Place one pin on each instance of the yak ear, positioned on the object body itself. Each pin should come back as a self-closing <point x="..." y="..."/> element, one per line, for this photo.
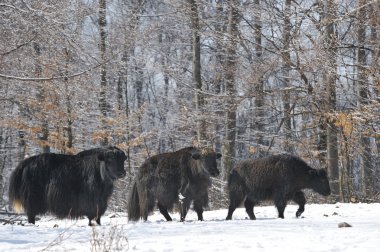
<point x="218" y="155"/>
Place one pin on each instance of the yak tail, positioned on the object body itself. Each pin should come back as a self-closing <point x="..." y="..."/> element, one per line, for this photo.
<point x="236" y="184"/>
<point x="233" y="179"/>
<point x="14" y="190"/>
<point x="133" y="207"/>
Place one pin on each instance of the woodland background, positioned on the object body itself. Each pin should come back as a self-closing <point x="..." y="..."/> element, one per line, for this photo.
<point x="248" y="78"/>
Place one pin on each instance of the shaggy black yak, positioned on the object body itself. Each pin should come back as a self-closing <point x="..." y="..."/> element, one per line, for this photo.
<point x="68" y="186"/>
<point x="177" y="177"/>
<point x="279" y="178"/>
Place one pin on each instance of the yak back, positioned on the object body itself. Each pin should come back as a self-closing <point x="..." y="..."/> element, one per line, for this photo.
<point x="273" y="171"/>
<point x="175" y="165"/>
<point x="116" y="152"/>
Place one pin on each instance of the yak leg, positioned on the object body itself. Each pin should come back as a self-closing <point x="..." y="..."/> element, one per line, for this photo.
<point x="236" y="197"/>
<point x="145" y="215"/>
<point x="299" y="198"/>
<point x="281" y="209"/>
<point x="144" y="210"/>
<point x="237" y="192"/>
<point x="90" y="218"/>
<point x="184" y="207"/>
<point x="98" y="220"/>
<point x="199" y="209"/>
<point x="249" y="208"/>
<point x="144" y="206"/>
<point x="280" y="203"/>
<point x="147" y="203"/>
<point x="184" y="202"/>
<point x="231" y="210"/>
<point x="164" y="212"/>
<point x="31" y="218"/>
<point x="33" y="209"/>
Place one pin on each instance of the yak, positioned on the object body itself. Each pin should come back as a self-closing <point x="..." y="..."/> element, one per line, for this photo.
<point x="279" y="178"/>
<point x="68" y="186"/>
<point x="183" y="176"/>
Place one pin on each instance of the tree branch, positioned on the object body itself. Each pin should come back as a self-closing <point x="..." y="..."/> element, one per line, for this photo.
<point x="19" y="78"/>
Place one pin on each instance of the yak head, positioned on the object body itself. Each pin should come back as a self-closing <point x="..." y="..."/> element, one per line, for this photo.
<point x="112" y="163"/>
<point x="206" y="160"/>
<point x="320" y="182"/>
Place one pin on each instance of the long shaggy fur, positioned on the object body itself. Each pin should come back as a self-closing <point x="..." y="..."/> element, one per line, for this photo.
<point x="279" y="178"/>
<point x="67" y="186"/>
<point x="168" y="178"/>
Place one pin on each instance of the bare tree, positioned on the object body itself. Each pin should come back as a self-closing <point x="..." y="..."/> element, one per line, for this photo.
<point x="197" y="78"/>
<point x="259" y="87"/>
<point x="286" y="34"/>
<point x="102" y="22"/>
<point x="230" y="69"/>
<point x="366" y="165"/>
<point x="330" y="44"/>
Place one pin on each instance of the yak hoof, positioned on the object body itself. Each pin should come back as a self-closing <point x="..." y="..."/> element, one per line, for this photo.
<point x="252" y="216"/>
<point x="298" y="213"/>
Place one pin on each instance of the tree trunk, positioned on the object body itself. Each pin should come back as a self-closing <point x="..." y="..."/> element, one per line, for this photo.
<point x="286" y="71"/>
<point x="366" y="164"/>
<point x="41" y="96"/>
<point x="330" y="45"/>
<point x="123" y="80"/>
<point x="220" y="28"/>
<point x="165" y="142"/>
<point x="219" y="82"/>
<point x="230" y="126"/>
<point x="374" y="9"/>
<point x="259" y="87"/>
<point x="139" y="84"/>
<point x="68" y="129"/>
<point x="103" y="70"/>
<point x="3" y="159"/>
<point x="129" y="44"/>
<point x="197" y="80"/>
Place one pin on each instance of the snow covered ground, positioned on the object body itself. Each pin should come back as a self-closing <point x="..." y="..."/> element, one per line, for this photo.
<point x="316" y="231"/>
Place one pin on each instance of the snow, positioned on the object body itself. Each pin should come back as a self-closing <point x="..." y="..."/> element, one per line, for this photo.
<point x="316" y="230"/>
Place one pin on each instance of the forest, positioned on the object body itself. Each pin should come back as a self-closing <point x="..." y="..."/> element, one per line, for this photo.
<point x="249" y="78"/>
